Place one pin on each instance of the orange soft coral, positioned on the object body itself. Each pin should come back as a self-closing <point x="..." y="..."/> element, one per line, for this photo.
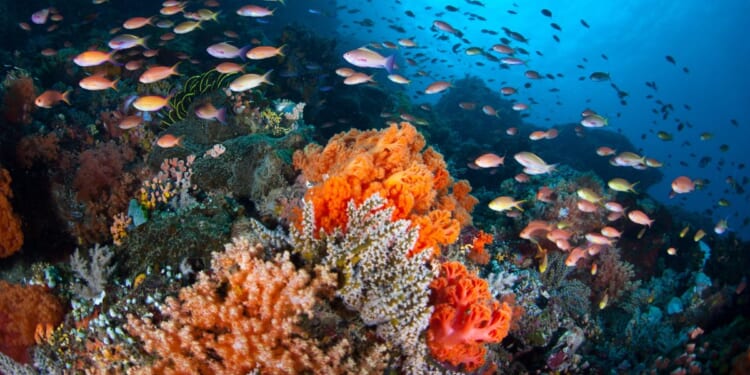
<point x="465" y="318"/>
<point x="22" y="310"/>
<point x="11" y="236"/>
<point x="242" y="317"/>
<point x="392" y="163"/>
<point x="477" y="252"/>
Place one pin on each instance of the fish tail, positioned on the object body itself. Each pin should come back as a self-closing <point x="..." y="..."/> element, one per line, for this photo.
<point x="114" y="84"/>
<point x="221" y="115"/>
<point x="265" y="77"/>
<point x="389" y="61"/>
<point x="633" y="186"/>
<point x="174" y="69"/>
<point x="244" y="50"/>
<point x="215" y="17"/>
<point x="280" y="50"/>
<point x="66" y="97"/>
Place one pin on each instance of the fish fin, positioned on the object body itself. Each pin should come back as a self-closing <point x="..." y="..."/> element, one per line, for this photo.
<point x="221" y="115"/>
<point x="174" y="69"/>
<point x="265" y="77"/>
<point x="114" y="84"/>
<point x="281" y="50"/>
<point x="66" y="97"/>
<point x="244" y="50"/>
<point x="389" y="61"/>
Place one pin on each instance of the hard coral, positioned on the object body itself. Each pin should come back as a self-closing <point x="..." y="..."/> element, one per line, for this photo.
<point x="465" y="318"/>
<point x="11" y="236"/>
<point x="22" y="310"/>
<point x="391" y="162"/>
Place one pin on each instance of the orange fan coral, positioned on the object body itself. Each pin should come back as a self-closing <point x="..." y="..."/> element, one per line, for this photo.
<point x="391" y="162"/>
<point x="465" y="317"/>
<point x="11" y="236"/>
<point x="22" y="310"/>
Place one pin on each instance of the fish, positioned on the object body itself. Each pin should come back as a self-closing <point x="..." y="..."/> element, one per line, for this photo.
<point x="150" y="103"/>
<point x="505" y="203"/>
<point x="699" y="235"/>
<point x="589" y="195"/>
<point x="599" y="76"/>
<point x="93" y="58"/>
<point x="186" y="27"/>
<point x="137" y="22"/>
<point x="622" y="185"/>
<point x="264" y="52"/>
<point x="255" y="11"/>
<point x="97" y="83"/>
<point x="229" y="68"/>
<point x="225" y="50"/>
<point x="358" y="78"/>
<point x="683" y="185"/>
<point x="169" y="141"/>
<point x="640" y="217"/>
<point x="364" y="57"/>
<point x="40" y="17"/>
<point x="594" y="121"/>
<point x="126" y="41"/>
<point x="546" y="13"/>
<point x="158" y="73"/>
<point x="130" y="122"/>
<point x="249" y="81"/>
<point x="437" y="87"/>
<point x="49" y="98"/>
<point x="397" y="78"/>
<point x="489" y="160"/>
<point x="533" y="164"/>
<point x="209" y="112"/>
<point x="684" y="231"/>
<point x="721" y="227"/>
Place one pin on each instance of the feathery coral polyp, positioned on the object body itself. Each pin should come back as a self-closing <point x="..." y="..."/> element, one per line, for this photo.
<point x="465" y="318"/>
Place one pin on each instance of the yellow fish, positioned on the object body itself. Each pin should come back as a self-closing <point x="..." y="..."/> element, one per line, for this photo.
<point x="699" y="235"/>
<point x="684" y="231"/>
<point x="605" y="300"/>
<point x="622" y="185"/>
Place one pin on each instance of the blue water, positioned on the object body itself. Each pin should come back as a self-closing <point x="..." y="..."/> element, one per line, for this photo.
<point x="636" y="37"/>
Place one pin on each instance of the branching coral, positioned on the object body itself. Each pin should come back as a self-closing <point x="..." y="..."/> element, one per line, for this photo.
<point x="243" y="317"/>
<point x="11" y="236"/>
<point x="388" y="289"/>
<point x="465" y="317"/>
<point x="391" y="162"/>
<point x="22" y="310"/>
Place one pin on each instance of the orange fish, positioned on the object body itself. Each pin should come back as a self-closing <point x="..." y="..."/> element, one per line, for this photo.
<point x="93" y="58"/>
<point x="130" y="122"/>
<point x="229" y="68"/>
<point x="169" y="141"/>
<point x="97" y="83"/>
<point x="640" y="217"/>
<point x="489" y="160"/>
<point x="436" y="87"/>
<point x="264" y="52"/>
<point x="150" y="103"/>
<point x="137" y="22"/>
<point x="682" y="185"/>
<point x="158" y="73"/>
<point x="51" y="97"/>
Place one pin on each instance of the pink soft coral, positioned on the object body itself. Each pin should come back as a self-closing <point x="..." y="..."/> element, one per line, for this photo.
<point x="465" y="318"/>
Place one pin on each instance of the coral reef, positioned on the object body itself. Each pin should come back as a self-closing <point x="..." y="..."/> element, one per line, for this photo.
<point x="244" y="316"/>
<point x="465" y="317"/>
<point x="18" y="102"/>
<point x="391" y="162"/>
<point x="23" y="309"/>
<point x="11" y="236"/>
